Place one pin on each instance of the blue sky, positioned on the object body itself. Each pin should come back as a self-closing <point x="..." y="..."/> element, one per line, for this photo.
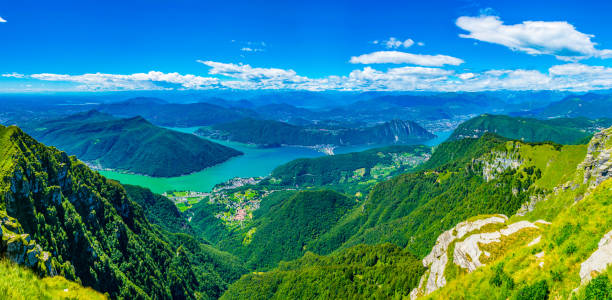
<point x="313" y="45"/>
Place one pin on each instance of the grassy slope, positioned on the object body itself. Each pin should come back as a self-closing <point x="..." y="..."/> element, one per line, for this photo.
<point x="133" y="144"/>
<point x="570" y="240"/>
<point x="20" y="283"/>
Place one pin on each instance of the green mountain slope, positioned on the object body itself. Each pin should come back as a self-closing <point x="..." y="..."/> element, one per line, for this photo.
<point x="479" y="256"/>
<point x="379" y="272"/>
<point x="462" y="179"/>
<point x="86" y="229"/>
<point x="570" y="257"/>
<point x="550" y="263"/>
<point x="133" y="145"/>
<point x="373" y="164"/>
<point x="288" y="227"/>
<point x="159" y="210"/>
<point x="275" y="133"/>
<point x="561" y="130"/>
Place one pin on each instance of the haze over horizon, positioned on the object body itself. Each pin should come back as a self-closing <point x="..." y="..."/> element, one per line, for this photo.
<point x="271" y="45"/>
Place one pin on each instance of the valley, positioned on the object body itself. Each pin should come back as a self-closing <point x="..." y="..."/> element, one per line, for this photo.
<point x="254" y="162"/>
<point x="320" y="150"/>
<point x="281" y="221"/>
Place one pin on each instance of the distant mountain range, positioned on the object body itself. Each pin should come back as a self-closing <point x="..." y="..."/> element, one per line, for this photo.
<point x="560" y="130"/>
<point x="162" y="113"/>
<point x="589" y="105"/>
<point x="131" y="144"/>
<point x="275" y="133"/>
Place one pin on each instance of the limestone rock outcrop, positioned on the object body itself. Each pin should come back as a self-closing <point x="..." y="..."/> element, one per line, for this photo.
<point x="467" y="237"/>
<point x="21" y="249"/>
<point x="599" y="261"/>
<point x="597" y="165"/>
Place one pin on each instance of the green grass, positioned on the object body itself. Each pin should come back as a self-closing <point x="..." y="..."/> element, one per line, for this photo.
<point x="570" y="240"/>
<point x="557" y="166"/>
<point x="19" y="283"/>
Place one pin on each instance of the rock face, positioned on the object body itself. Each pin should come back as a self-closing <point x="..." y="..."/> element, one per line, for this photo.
<point x="21" y="249"/>
<point x="497" y="162"/>
<point x="399" y="131"/>
<point x="598" y="261"/>
<point x="467" y="251"/>
<point x="437" y="259"/>
<point x="597" y="165"/>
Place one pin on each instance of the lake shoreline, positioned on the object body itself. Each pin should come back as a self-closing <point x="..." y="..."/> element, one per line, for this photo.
<point x="255" y="162"/>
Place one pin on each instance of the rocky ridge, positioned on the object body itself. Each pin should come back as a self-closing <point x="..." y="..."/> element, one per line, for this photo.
<point x="465" y="242"/>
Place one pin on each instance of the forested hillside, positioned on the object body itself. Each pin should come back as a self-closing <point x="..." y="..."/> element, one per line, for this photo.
<point x="132" y="145"/>
<point x="66" y="219"/>
<point x="469" y="179"/>
<point x="559" y="130"/>
<point x="352" y="169"/>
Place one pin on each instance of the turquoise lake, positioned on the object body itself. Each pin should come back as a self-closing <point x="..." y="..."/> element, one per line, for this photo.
<point x="254" y="162"/>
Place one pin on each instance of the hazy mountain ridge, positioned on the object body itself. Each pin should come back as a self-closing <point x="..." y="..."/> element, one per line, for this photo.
<point x="590" y="105"/>
<point x="275" y="133"/>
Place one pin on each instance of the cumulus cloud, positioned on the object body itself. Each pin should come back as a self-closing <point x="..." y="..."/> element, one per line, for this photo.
<point x="571" y="76"/>
<point x="393" y="43"/>
<point x="2" y="20"/>
<point x="397" y="57"/>
<point x="152" y="80"/>
<point x="533" y="37"/>
<point x="249" y="49"/>
<point x="250" y="46"/>
<point x="246" y="72"/>
<point x="13" y="75"/>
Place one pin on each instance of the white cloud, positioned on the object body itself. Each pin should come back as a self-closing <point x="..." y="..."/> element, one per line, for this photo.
<point x="579" y="69"/>
<point x="250" y="46"/>
<point x="533" y="37"/>
<point x="397" y="57"/>
<point x="421" y="44"/>
<point x="13" y="75"/>
<point x="249" y="49"/>
<point x="572" y="76"/>
<point x="2" y="20"/>
<point x="246" y="72"/>
<point x="393" y="43"/>
<point x="139" y="81"/>
<point x="466" y="76"/>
